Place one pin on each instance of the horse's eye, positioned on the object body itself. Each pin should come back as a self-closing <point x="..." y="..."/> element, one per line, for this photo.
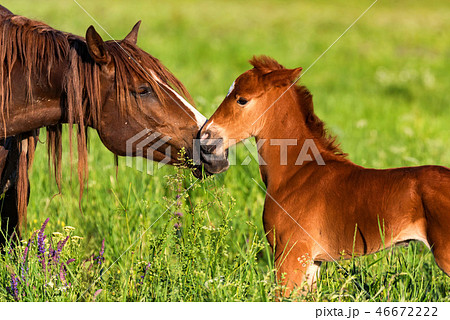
<point x="144" y="90"/>
<point x="242" y="101"/>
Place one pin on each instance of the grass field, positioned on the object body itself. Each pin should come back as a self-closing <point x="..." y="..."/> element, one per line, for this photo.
<point x="383" y="88"/>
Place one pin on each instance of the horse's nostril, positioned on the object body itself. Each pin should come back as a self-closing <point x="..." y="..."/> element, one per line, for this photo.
<point x="206" y="135"/>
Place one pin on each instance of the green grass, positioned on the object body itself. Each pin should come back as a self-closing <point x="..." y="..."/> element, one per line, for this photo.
<point x="382" y="88"/>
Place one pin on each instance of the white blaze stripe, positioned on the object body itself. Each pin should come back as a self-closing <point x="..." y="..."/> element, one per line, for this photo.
<point x="199" y="118"/>
<point x="231" y="89"/>
<point x="209" y="124"/>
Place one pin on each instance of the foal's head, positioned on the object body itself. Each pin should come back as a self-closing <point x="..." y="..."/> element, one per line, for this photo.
<point x="247" y="108"/>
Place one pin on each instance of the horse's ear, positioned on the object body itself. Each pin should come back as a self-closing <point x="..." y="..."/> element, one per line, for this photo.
<point x="96" y="46"/>
<point x="4" y="11"/>
<point x="281" y="77"/>
<point x="132" y="36"/>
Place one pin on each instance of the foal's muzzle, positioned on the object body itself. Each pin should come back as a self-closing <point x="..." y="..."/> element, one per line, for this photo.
<point x="213" y="157"/>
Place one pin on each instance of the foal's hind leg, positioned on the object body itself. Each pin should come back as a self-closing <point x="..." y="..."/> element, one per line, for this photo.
<point x="435" y="190"/>
<point x="439" y="240"/>
<point x="442" y="257"/>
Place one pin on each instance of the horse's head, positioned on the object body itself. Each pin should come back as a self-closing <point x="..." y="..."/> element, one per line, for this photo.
<point x="142" y="114"/>
<point x="243" y="112"/>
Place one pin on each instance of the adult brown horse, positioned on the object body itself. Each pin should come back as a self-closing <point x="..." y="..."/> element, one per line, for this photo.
<point x="315" y="210"/>
<point x="49" y="77"/>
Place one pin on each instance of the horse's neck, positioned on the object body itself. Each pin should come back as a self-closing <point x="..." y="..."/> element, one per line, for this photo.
<point x="45" y="108"/>
<point x="287" y="146"/>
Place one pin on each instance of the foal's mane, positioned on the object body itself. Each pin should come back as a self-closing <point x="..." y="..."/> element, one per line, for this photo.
<point x="313" y="123"/>
<point x="40" y="49"/>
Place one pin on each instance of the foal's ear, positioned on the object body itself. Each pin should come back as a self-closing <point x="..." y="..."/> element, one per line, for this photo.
<point x="132" y="36"/>
<point x="96" y="46"/>
<point x="281" y="77"/>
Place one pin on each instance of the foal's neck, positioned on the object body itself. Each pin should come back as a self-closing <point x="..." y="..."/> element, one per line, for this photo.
<point x="287" y="144"/>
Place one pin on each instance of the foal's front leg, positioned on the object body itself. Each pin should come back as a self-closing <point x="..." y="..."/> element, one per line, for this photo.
<point x="297" y="270"/>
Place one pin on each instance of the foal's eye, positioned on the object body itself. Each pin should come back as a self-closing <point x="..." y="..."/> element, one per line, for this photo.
<point x="242" y="101"/>
<point x="144" y="90"/>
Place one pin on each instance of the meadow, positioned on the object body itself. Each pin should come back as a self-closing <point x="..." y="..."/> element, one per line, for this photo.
<point x="383" y="89"/>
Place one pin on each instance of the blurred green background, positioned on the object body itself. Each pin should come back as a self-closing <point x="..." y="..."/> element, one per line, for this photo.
<point x="383" y="88"/>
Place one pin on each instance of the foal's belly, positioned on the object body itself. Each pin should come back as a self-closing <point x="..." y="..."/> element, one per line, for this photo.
<point x="370" y="229"/>
<point x="339" y="245"/>
<point x="353" y="220"/>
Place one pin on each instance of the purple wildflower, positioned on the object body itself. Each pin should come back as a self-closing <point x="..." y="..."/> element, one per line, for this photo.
<point x="102" y="251"/>
<point x="25" y="256"/>
<point x="41" y="237"/>
<point x="22" y="265"/>
<point x="148" y="266"/>
<point x="59" y="248"/>
<point x="96" y="293"/>
<point x="178" y="198"/>
<point x="41" y="244"/>
<point x="62" y="274"/>
<point x="29" y="244"/>
<point x="177" y="225"/>
<point x="51" y="253"/>
<point x="178" y="214"/>
<point x="14" y="286"/>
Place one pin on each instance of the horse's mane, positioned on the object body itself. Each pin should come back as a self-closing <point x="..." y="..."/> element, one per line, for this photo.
<point x="36" y="45"/>
<point x="314" y="124"/>
<point x="39" y="48"/>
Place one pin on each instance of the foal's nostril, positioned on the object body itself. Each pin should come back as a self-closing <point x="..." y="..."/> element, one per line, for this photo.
<point x="208" y="145"/>
<point x="208" y="148"/>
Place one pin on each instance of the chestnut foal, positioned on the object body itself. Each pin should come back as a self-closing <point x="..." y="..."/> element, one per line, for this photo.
<point x="320" y="205"/>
